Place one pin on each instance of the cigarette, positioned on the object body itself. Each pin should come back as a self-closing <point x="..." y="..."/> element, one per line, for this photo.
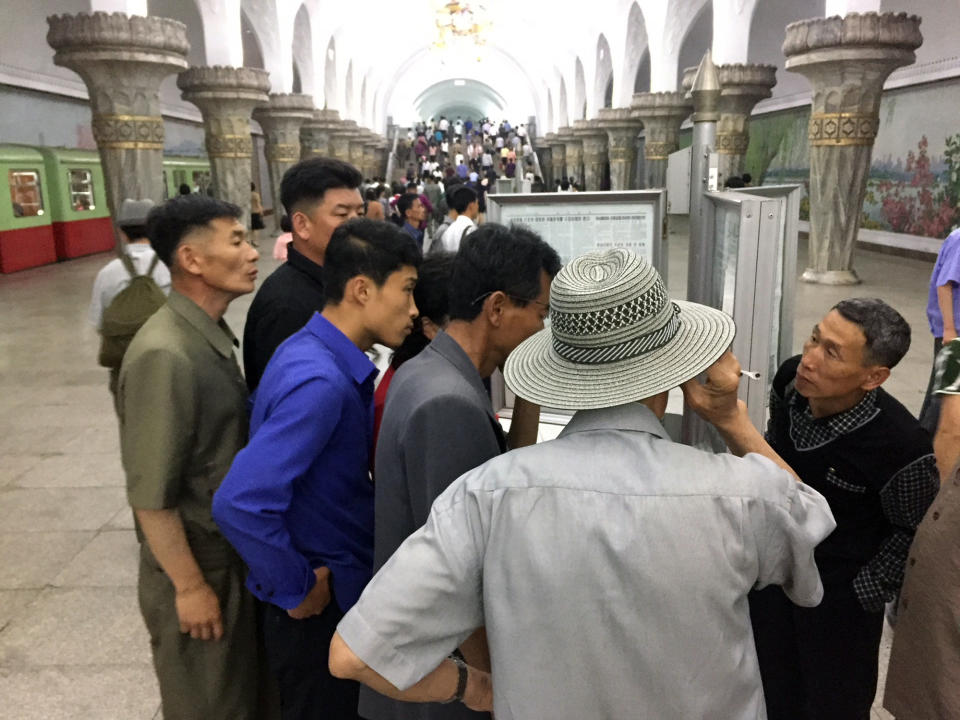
<point x="752" y="374"/>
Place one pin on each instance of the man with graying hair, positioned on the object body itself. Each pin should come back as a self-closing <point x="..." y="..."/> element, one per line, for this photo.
<point x="848" y="438"/>
<point x="610" y="566"/>
<point x="183" y="416"/>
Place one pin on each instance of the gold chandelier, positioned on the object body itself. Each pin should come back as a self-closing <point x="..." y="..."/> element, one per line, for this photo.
<point x="459" y="23"/>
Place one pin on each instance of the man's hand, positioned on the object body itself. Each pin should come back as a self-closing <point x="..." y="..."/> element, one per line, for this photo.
<point x="199" y="612"/>
<point x="716" y="400"/>
<point x="317" y="599"/>
<point x="479" y="691"/>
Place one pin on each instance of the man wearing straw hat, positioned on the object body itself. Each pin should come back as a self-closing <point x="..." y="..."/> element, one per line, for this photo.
<point x="611" y="566"/>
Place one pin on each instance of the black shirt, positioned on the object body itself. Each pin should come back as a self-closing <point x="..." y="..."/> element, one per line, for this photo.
<point x="285" y="302"/>
<point x="875" y="466"/>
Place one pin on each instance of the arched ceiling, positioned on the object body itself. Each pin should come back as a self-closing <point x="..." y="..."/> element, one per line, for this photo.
<point x="462" y="97"/>
<point x="372" y="60"/>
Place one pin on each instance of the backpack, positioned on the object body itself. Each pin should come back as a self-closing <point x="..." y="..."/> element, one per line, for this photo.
<point x="130" y="309"/>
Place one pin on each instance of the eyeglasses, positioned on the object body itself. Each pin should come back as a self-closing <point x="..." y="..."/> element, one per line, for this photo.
<point x="515" y="298"/>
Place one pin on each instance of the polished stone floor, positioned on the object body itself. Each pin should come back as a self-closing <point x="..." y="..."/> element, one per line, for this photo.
<point x="72" y="644"/>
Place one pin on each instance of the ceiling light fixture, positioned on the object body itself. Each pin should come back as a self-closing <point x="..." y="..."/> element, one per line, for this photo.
<point x="461" y="27"/>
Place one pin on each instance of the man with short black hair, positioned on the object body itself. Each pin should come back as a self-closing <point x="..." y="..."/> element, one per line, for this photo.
<point x="298" y="502"/>
<point x="413" y="212"/>
<point x="846" y="437"/>
<point x="464" y="200"/>
<point x="438" y="421"/>
<point x="319" y="194"/>
<point x="183" y="416"/>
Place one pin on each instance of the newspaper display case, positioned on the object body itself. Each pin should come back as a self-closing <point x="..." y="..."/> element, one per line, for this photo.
<point x="754" y="277"/>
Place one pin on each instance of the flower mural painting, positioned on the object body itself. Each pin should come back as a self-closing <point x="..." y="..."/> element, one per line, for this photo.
<point x="925" y="202"/>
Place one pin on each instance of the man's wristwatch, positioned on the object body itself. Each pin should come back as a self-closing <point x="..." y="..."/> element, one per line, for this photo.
<point x="461" y="678"/>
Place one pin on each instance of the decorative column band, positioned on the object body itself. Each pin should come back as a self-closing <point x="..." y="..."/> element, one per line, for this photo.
<point x="229" y="146"/>
<point x="843" y="128"/>
<point x="283" y="152"/>
<point x="732" y="143"/>
<point x="658" y="150"/>
<point x="128" y="132"/>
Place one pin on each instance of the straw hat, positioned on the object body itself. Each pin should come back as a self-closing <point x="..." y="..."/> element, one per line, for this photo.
<point x="614" y="337"/>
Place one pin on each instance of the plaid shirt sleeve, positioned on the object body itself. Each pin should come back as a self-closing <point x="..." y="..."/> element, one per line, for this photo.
<point x="775" y="407"/>
<point x="905" y="500"/>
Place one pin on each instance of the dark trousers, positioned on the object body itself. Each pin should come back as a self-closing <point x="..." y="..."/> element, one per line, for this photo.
<point x="297" y="652"/>
<point x="930" y="412"/>
<point x="816" y="663"/>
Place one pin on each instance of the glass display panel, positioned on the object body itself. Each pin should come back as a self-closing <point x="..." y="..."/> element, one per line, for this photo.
<point x="577" y="229"/>
<point x="25" y="195"/>
<point x="80" y="183"/>
<point x="727" y="238"/>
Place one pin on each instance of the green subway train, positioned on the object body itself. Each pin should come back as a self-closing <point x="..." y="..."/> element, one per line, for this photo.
<point x="54" y="206"/>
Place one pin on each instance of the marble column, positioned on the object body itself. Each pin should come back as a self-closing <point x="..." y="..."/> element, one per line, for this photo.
<point x="370" y="155"/>
<point x="558" y="157"/>
<point x="622" y="128"/>
<point x="594" y="139"/>
<point x="662" y="114"/>
<point x="545" y="156"/>
<point x="122" y="60"/>
<point x="846" y="59"/>
<point x="280" y="122"/>
<point x="743" y="86"/>
<point x="357" y="149"/>
<point x="226" y="97"/>
<point x="315" y="133"/>
<point x="340" y="136"/>
<point x="383" y="153"/>
<point x="573" y="154"/>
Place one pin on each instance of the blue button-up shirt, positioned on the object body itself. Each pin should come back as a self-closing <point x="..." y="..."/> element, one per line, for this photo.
<point x="299" y="495"/>
<point x="413" y="232"/>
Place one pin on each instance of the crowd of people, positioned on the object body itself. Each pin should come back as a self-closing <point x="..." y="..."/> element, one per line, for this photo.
<point x="320" y="539"/>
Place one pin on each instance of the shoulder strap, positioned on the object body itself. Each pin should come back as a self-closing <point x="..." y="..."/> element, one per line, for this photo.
<point x="153" y="264"/>
<point x="128" y="263"/>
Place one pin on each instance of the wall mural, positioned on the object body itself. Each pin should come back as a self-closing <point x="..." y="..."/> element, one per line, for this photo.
<point x="914" y="182"/>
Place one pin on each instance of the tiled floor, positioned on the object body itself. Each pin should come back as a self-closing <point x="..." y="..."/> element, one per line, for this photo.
<point x="72" y="644"/>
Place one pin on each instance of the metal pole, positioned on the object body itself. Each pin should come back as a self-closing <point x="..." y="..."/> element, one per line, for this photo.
<point x="706" y="97"/>
<point x="706" y="100"/>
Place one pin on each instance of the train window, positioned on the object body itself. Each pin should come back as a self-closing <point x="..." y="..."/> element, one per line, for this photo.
<point x="25" y="195"/>
<point x="81" y="190"/>
<point x="201" y="181"/>
<point x="166" y="189"/>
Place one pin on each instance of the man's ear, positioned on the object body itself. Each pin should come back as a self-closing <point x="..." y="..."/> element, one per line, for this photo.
<point x="876" y="376"/>
<point x="301" y="224"/>
<point x="187" y="258"/>
<point x="494" y="307"/>
<point x="359" y="289"/>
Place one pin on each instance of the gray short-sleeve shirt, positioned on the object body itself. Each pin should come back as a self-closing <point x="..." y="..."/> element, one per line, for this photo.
<point x="611" y="568"/>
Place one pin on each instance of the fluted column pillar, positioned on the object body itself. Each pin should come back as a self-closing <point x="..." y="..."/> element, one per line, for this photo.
<point x="662" y="114"/>
<point x="340" y="136"/>
<point x="558" y="156"/>
<point x="622" y="128"/>
<point x="574" y="154"/>
<point x="226" y="97"/>
<point x="315" y="133"/>
<point x="280" y="122"/>
<point x="383" y="151"/>
<point x="370" y="154"/>
<point x="743" y="86"/>
<point x="122" y="60"/>
<point x="846" y="59"/>
<point x="594" y="139"/>
<point x="545" y="156"/>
